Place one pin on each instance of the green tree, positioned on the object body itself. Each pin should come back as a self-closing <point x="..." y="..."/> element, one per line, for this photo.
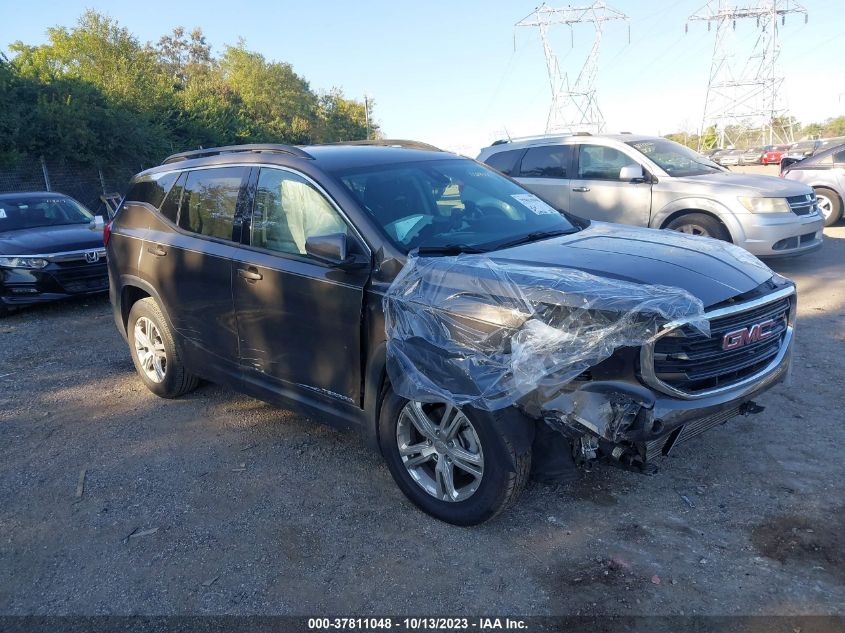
<point x="275" y="104"/>
<point x="94" y="94"/>
<point x="343" y="119"/>
<point x="185" y="57"/>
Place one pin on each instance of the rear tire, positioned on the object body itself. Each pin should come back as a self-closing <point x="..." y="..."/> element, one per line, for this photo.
<point x="699" y="224"/>
<point x="829" y="204"/>
<point x="488" y="437"/>
<point x="154" y="351"/>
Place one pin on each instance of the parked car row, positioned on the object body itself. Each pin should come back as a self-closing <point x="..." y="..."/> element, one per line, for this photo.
<point x="771" y="154"/>
<point x="267" y="268"/>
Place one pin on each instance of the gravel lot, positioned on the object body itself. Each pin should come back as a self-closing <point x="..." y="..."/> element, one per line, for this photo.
<point x="217" y="503"/>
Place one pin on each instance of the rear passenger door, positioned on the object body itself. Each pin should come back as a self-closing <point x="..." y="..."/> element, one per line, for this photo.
<point x="545" y="171"/>
<point x="299" y="319"/>
<point x="191" y="266"/>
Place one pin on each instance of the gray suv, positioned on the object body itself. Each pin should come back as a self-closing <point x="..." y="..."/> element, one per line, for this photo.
<point x="651" y="181"/>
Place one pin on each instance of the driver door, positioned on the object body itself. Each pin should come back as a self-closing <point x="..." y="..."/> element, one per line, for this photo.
<point x="597" y="193"/>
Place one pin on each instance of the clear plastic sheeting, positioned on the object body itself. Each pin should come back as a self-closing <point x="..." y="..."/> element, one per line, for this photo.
<point x="475" y="331"/>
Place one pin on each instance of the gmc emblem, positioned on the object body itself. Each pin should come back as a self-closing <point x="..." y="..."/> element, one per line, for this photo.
<point x="757" y="332"/>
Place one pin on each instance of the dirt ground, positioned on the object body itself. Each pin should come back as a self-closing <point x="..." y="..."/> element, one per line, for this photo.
<point x="217" y="503"/>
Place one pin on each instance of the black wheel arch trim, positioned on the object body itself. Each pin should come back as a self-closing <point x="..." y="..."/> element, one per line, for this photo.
<point x="136" y="282"/>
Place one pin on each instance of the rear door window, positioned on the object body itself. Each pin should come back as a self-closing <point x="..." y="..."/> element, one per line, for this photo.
<point x="151" y="189"/>
<point x="505" y="162"/>
<point x="548" y="161"/>
<point x="170" y="205"/>
<point x="210" y="200"/>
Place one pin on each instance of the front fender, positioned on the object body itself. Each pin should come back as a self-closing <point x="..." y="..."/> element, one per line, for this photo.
<point x="707" y="205"/>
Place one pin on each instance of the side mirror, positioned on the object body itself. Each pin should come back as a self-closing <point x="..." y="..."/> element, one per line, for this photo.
<point x="632" y="173"/>
<point x="332" y="250"/>
<point x="97" y="223"/>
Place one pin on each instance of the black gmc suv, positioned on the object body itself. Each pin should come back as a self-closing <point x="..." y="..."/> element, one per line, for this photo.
<point x="265" y="267"/>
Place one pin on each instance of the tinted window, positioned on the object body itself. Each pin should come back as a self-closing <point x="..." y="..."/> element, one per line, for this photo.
<point x="839" y="157"/>
<point x="549" y="161"/>
<point x="597" y="162"/>
<point x="505" y="162"/>
<point x="151" y="189"/>
<point x="209" y="201"/>
<point x="288" y="210"/>
<point x="674" y="158"/>
<point x="170" y="206"/>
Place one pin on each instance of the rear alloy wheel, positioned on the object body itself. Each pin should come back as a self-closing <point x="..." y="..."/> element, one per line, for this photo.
<point x="149" y="348"/>
<point x="460" y="466"/>
<point x="830" y="205"/>
<point x="699" y="224"/>
<point x="154" y="352"/>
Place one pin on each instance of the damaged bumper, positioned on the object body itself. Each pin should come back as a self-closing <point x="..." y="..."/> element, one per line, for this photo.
<point x="633" y="424"/>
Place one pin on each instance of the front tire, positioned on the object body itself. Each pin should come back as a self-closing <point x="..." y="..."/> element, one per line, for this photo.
<point x="154" y="352"/>
<point x="829" y="204"/>
<point x="699" y="224"/>
<point x="460" y="466"/>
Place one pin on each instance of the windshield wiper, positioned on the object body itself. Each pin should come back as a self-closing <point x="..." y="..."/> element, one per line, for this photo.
<point x="532" y="237"/>
<point x="449" y="249"/>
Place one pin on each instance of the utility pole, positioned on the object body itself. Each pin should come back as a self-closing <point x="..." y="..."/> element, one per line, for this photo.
<point x="367" y="113"/>
<point x="744" y="92"/>
<point x="574" y="106"/>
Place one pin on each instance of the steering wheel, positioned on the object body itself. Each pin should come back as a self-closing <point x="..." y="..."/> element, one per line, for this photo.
<point x="495" y="204"/>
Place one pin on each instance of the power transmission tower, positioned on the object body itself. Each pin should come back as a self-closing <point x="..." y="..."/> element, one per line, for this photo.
<point x="744" y="101"/>
<point x="574" y="106"/>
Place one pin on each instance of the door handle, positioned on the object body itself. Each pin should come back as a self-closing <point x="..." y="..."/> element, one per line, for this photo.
<point x="580" y="189"/>
<point x="158" y="250"/>
<point x="250" y="274"/>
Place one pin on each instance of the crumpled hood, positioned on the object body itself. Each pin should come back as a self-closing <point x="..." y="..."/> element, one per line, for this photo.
<point x="710" y="270"/>
<point x="50" y="239"/>
<point x="743" y="184"/>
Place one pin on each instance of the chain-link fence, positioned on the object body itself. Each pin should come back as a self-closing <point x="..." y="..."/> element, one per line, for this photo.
<point x="85" y="183"/>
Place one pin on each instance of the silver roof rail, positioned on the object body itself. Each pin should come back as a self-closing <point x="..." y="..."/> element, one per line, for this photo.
<point x="270" y="148"/>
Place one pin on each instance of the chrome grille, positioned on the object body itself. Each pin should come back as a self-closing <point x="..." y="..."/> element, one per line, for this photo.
<point x="686" y="363"/>
<point x="802" y="205"/>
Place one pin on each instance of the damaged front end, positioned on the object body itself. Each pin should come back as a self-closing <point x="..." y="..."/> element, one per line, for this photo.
<point x="568" y="348"/>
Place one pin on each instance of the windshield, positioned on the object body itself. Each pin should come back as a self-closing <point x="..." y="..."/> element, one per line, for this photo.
<point x="451" y="204"/>
<point x="30" y="213"/>
<point x="674" y="158"/>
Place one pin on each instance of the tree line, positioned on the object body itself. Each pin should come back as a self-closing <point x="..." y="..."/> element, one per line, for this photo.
<point x="95" y="95"/>
<point x="747" y="138"/>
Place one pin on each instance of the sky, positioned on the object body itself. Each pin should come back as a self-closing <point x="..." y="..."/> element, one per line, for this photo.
<point x="456" y="73"/>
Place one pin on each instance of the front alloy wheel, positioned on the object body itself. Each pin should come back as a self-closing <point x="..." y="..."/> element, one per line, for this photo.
<point x="460" y="465"/>
<point x="699" y="224"/>
<point x="440" y="450"/>
<point x="829" y="205"/>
